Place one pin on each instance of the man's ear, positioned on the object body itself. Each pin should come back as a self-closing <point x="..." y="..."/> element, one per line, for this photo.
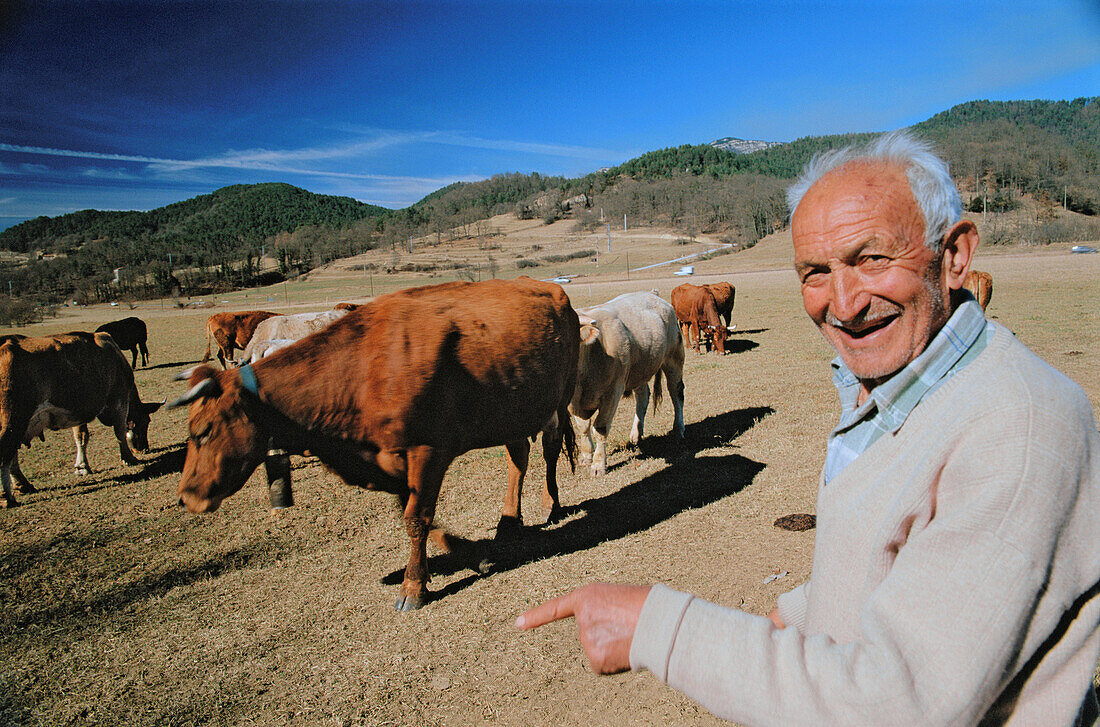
<point x="959" y="245"/>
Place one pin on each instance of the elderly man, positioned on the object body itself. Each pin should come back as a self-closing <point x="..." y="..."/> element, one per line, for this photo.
<point x="957" y="564"/>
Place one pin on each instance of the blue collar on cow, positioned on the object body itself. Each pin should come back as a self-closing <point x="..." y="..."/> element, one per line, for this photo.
<point x="248" y="379"/>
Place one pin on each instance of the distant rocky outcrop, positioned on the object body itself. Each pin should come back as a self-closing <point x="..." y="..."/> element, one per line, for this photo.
<point x="742" y="146"/>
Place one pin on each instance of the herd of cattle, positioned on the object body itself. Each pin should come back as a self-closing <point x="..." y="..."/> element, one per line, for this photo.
<point x="385" y="394"/>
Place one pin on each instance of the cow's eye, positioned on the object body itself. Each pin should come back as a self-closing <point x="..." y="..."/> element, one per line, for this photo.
<point x="202" y="437"/>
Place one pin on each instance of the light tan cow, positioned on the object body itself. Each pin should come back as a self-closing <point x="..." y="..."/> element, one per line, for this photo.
<point x="625" y="343"/>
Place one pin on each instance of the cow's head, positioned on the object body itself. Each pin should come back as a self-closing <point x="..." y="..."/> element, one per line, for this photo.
<point x="137" y="423"/>
<point x="224" y="443"/>
<point x="589" y="340"/>
<point x="719" y="335"/>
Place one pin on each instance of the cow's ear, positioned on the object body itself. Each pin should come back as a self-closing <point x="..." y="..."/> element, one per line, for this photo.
<point x="589" y="334"/>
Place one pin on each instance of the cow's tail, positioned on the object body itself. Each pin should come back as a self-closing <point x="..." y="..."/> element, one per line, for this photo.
<point x="209" y="335"/>
<point x="657" y="389"/>
<point x="568" y="436"/>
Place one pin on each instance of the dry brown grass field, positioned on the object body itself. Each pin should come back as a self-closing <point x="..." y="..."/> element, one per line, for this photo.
<point x="118" y="608"/>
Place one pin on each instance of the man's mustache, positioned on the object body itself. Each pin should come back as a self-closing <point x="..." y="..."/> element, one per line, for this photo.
<point x="870" y="316"/>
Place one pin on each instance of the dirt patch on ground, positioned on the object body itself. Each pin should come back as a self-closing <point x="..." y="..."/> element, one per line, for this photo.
<point x="118" y="608"/>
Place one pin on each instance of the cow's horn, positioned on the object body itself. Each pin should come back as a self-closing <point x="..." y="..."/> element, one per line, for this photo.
<point x="206" y="387"/>
<point x="184" y="375"/>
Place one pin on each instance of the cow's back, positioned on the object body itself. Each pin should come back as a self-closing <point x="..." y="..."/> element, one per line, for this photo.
<point x="78" y="372"/>
<point x="639" y="330"/>
<point x="470" y="364"/>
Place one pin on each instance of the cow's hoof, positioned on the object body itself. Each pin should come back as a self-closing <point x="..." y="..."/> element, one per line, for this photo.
<point x="556" y="515"/>
<point x="10" y="502"/>
<point x="27" y="489"/>
<point x="599" y="471"/>
<point x="409" y="603"/>
<point x="82" y="471"/>
<point x="508" y="525"/>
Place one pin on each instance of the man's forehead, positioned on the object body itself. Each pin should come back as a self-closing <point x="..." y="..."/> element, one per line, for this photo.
<point x="855" y="193"/>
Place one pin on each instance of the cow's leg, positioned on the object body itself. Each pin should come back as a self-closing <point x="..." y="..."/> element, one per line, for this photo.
<point x="426" y="467"/>
<point x="641" y="401"/>
<point x="551" y="450"/>
<point x="133" y="357"/>
<point x="511" y="517"/>
<point x="674" y="382"/>
<point x="25" y="486"/>
<point x="81" y="437"/>
<point x="583" y="430"/>
<point x="121" y="434"/>
<point x="5" y="479"/>
<point x="602" y="425"/>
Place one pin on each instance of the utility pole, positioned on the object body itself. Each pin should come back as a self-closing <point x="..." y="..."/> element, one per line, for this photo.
<point x="609" y="237"/>
<point x="624" y="222"/>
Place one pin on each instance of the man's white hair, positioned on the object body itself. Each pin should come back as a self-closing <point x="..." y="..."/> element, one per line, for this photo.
<point x="929" y="178"/>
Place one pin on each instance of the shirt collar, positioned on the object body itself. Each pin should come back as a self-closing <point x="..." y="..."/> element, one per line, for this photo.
<point x="896" y="397"/>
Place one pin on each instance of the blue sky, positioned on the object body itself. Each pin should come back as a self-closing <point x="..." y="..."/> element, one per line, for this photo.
<point x="133" y="105"/>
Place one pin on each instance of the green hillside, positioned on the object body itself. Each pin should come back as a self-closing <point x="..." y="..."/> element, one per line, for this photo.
<point x="999" y="152"/>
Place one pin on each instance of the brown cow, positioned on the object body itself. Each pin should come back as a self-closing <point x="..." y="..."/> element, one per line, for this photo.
<point x="980" y="283"/>
<point x="389" y="395"/>
<point x="65" y="381"/>
<point x="130" y="335"/>
<point x="698" y="315"/>
<point x="232" y="331"/>
<point x="346" y="306"/>
<point x="724" y="294"/>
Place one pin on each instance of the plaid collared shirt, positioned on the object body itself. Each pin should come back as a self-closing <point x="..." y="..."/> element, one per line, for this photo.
<point x="961" y="339"/>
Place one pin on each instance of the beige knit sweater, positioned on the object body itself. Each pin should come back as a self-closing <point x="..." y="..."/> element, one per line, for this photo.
<point x="955" y="581"/>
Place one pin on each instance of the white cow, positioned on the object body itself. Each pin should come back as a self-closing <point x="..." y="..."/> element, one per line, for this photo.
<point x="625" y="343"/>
<point x="292" y="328"/>
<point x="266" y="348"/>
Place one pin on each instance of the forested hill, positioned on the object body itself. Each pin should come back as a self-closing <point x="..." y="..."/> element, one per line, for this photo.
<point x="998" y="153"/>
<point x="247" y="213"/>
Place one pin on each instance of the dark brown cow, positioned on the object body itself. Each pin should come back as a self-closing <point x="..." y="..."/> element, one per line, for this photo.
<point x="232" y="331"/>
<point x="65" y="381"/>
<point x="724" y="294"/>
<point x="698" y="315"/>
<point x="130" y="335"/>
<point x="980" y="283"/>
<point x="389" y="395"/>
<point x="346" y="306"/>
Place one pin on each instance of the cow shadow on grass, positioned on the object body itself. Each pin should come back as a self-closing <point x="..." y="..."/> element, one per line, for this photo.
<point x="174" y="365"/>
<point x="739" y="345"/>
<point x="166" y="460"/>
<point x="119" y="596"/>
<point x="689" y="482"/>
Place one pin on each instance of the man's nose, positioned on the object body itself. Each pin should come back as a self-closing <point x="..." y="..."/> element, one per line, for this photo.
<point x="849" y="297"/>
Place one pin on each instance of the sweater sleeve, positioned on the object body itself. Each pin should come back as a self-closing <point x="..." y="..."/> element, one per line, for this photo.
<point x="948" y="626"/>
<point x="792" y="607"/>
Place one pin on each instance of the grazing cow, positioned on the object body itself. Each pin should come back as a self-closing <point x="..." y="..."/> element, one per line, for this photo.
<point x="294" y="327"/>
<point x="723" y="299"/>
<point x="698" y="315"/>
<point x="346" y="306"/>
<point x="232" y="331"/>
<point x="388" y="396"/>
<point x="980" y="283"/>
<point x="625" y="343"/>
<point x="130" y="335"/>
<point x="62" y="381"/>
<point x="266" y="348"/>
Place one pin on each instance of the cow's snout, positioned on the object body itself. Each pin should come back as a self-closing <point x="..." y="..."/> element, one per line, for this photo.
<point x="180" y="504"/>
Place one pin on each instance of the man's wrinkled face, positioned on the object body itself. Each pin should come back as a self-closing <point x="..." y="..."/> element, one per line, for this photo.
<point x="869" y="282"/>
